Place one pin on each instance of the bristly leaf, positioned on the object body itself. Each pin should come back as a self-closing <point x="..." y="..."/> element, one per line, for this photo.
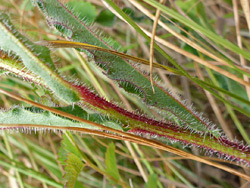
<point x="20" y="115"/>
<point x="110" y="161"/>
<point x="36" y="58"/>
<point x="126" y="75"/>
<point x="121" y="71"/>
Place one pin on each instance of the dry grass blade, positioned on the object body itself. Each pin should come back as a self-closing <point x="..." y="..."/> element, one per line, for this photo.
<point x="125" y="136"/>
<point x="237" y="26"/>
<point x="183" y="38"/>
<point x="246" y="8"/>
<point x="137" y="162"/>
<point x="199" y="60"/>
<point x="151" y="59"/>
<point x="70" y="44"/>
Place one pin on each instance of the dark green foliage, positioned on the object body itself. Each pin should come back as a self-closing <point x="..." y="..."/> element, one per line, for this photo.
<point x="106" y="18"/>
<point x="85" y="10"/>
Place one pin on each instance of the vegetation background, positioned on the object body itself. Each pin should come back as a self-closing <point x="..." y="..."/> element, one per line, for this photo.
<point x="33" y="160"/>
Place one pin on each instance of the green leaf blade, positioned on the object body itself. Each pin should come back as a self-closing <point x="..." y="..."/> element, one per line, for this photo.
<point x="121" y="71"/>
<point x="36" y="58"/>
<point x="72" y="169"/>
<point x="110" y="161"/>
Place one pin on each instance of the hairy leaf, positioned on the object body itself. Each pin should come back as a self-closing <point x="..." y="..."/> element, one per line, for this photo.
<point x="125" y="74"/>
<point x="36" y="58"/>
<point x="20" y="115"/>
<point x="194" y="130"/>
